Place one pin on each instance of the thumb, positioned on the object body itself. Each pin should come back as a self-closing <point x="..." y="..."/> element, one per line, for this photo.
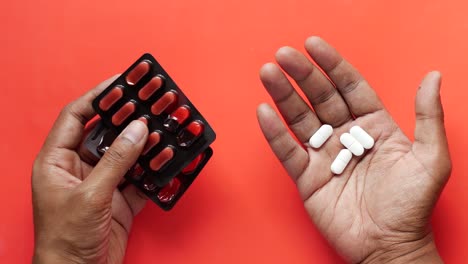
<point x="118" y="159"/>
<point x="430" y="144"/>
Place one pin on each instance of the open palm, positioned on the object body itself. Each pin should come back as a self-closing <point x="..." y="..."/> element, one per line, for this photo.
<point x="379" y="208"/>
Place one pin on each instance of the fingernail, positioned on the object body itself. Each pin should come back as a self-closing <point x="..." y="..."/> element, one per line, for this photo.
<point x="134" y="132"/>
<point x="433" y="77"/>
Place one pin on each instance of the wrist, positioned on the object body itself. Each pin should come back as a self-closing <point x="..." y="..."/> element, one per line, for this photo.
<point x="419" y="251"/>
<point x="51" y="255"/>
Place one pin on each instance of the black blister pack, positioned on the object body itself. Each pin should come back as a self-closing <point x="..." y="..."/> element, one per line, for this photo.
<point x="179" y="136"/>
<point x="101" y="137"/>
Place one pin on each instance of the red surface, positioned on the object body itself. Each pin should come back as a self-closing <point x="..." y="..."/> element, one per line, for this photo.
<point x="243" y="207"/>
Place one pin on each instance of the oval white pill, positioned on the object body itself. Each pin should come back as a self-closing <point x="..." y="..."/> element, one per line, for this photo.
<point x="362" y="137"/>
<point x="352" y="144"/>
<point x="341" y="161"/>
<point x="321" y="136"/>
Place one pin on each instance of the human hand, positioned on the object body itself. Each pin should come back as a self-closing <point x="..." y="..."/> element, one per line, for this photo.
<point x="79" y="216"/>
<point x="379" y="208"/>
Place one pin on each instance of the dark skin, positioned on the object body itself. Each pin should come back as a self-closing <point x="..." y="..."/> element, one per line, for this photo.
<point x="79" y="216"/>
<point x="377" y="210"/>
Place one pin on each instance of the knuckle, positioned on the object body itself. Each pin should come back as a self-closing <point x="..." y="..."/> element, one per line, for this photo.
<point x="299" y="118"/>
<point x="338" y="120"/>
<point x="276" y="138"/>
<point x="42" y="164"/>
<point x="323" y="97"/>
<point x="70" y="110"/>
<point x="288" y="154"/>
<point x="307" y="75"/>
<point x="92" y="198"/>
<point x="67" y="109"/>
<point x="352" y="84"/>
<point x="334" y="66"/>
<point x="115" y="155"/>
<point x="422" y="116"/>
<point x="286" y="97"/>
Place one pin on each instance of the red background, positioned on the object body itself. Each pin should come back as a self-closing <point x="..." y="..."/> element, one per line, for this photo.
<point x="243" y="207"/>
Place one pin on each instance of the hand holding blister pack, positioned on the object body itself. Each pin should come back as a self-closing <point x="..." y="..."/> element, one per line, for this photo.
<point x="179" y="136"/>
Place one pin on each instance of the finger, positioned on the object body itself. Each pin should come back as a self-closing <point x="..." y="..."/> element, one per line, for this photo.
<point x="68" y="128"/>
<point x="430" y="138"/>
<point x="297" y="114"/>
<point x="136" y="200"/>
<point x="359" y="96"/>
<point x="293" y="157"/>
<point x="118" y="159"/>
<point x="322" y="94"/>
<point x="86" y="154"/>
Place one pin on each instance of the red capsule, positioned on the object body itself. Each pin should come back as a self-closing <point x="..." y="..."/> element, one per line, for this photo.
<point x="177" y="118"/>
<point x="123" y="113"/>
<point x="143" y="119"/>
<point x="170" y="191"/>
<point x="193" y="165"/>
<point x="136" y="172"/>
<point x="111" y="98"/>
<point x="164" y="102"/>
<point x="195" y="128"/>
<point x="152" y="86"/>
<point x="153" y="140"/>
<point x="135" y="75"/>
<point x="161" y="159"/>
<point x="190" y="133"/>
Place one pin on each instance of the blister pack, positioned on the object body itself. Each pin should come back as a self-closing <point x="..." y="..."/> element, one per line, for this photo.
<point x="179" y="136"/>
